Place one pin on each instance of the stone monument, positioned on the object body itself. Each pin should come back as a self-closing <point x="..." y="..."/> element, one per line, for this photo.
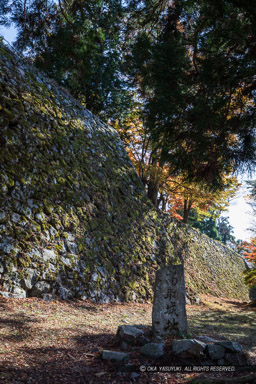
<point x="169" y="306"/>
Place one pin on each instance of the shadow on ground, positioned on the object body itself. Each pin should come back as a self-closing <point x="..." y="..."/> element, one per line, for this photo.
<point x="61" y="364"/>
<point x="237" y="323"/>
<point x="61" y="342"/>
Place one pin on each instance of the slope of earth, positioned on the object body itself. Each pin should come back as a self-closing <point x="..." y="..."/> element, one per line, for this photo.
<point x="74" y="217"/>
<point x="61" y="341"/>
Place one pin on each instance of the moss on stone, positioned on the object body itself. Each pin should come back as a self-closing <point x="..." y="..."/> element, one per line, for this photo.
<point x="72" y="173"/>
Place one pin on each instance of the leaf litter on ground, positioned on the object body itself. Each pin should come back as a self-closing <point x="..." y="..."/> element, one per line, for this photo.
<point x="61" y="341"/>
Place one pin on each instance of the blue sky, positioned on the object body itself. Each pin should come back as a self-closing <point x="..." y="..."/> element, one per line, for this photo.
<point x="8" y="33"/>
<point x="239" y="212"/>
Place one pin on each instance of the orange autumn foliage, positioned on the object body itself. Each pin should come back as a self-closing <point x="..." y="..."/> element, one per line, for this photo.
<point x="250" y="250"/>
<point x="174" y="192"/>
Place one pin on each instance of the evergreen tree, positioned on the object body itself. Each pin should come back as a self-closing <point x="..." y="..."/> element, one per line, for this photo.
<point x="195" y="69"/>
<point x="225" y="231"/>
<point x="4" y="9"/>
<point x="216" y="228"/>
<point x="78" y="43"/>
<point x="206" y="224"/>
<point x="158" y="62"/>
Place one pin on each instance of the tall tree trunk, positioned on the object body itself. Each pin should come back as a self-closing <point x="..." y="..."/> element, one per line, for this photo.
<point x="186" y="208"/>
<point x="153" y="192"/>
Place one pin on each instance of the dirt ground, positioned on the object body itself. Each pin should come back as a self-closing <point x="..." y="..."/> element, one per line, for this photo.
<point x="60" y="342"/>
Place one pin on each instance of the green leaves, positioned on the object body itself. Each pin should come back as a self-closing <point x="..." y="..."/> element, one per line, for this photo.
<point x="79" y="44"/>
<point x="250" y="277"/>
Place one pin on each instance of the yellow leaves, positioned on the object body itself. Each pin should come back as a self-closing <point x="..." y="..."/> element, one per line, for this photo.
<point x="173" y="191"/>
<point x="239" y="102"/>
<point x="180" y="27"/>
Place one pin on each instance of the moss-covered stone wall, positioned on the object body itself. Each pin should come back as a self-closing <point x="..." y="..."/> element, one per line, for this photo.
<point x="74" y="218"/>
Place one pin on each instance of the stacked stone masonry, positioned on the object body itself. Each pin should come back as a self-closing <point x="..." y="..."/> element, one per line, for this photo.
<point x="74" y="217"/>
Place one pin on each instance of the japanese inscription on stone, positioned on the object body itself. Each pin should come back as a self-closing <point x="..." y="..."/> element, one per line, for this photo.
<point x="169" y="306"/>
